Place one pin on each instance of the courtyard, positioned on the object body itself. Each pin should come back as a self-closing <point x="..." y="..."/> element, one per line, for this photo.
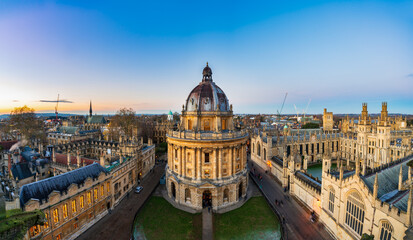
<point x="160" y="220"/>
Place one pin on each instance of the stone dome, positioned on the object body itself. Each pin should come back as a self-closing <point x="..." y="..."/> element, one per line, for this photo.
<point x="207" y="96"/>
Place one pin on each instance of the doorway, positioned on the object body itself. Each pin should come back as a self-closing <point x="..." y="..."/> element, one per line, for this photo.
<point x="173" y="190"/>
<point x="240" y="191"/>
<point x="206" y="199"/>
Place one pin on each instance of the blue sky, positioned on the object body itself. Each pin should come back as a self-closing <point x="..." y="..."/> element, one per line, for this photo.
<point x="150" y="55"/>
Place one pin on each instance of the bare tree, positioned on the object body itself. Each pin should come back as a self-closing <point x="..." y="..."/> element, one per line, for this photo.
<point x="123" y="122"/>
<point x="24" y="120"/>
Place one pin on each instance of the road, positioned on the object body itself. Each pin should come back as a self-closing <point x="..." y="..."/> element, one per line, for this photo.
<point x="118" y="224"/>
<point x="297" y="219"/>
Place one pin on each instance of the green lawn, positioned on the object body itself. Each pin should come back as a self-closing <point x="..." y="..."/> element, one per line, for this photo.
<point x="254" y="220"/>
<point x="160" y="220"/>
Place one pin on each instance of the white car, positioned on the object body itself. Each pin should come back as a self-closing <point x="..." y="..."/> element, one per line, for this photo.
<point x="138" y="189"/>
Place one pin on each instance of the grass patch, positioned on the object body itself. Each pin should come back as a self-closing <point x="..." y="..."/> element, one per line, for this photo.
<point x="160" y="220"/>
<point x="254" y="220"/>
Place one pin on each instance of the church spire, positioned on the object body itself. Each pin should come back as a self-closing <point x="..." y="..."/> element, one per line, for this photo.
<point x="90" y="108"/>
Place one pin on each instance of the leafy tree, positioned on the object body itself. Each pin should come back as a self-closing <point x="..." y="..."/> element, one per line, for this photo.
<point x="366" y="236"/>
<point x="24" y="120"/>
<point x="310" y="125"/>
<point x="124" y="121"/>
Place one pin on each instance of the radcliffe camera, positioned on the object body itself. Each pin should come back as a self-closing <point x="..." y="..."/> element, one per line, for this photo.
<point x="163" y="120"/>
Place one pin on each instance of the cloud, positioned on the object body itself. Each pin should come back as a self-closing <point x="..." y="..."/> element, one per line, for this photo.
<point x="53" y="101"/>
<point x="410" y="75"/>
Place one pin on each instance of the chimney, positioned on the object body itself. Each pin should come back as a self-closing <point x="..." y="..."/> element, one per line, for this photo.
<point x="68" y="158"/>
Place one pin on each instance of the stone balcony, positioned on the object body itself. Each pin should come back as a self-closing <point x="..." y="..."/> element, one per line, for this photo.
<point x="203" y="135"/>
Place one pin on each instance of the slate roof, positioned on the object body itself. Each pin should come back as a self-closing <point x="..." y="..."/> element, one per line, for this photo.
<point x="312" y="182"/>
<point x="40" y="190"/>
<point x="96" y="119"/>
<point x="21" y="171"/>
<point x="388" y="181"/>
<point x="68" y="129"/>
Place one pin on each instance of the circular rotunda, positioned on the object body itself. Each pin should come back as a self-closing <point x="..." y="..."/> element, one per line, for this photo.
<point x="206" y="154"/>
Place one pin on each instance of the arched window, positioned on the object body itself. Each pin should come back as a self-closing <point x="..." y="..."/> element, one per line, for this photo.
<point x="189" y="124"/>
<point x="226" y="195"/>
<point x="386" y="230"/>
<point x="265" y="154"/>
<point x="331" y="197"/>
<point x="187" y="195"/>
<point x="355" y="213"/>
<point x="259" y="149"/>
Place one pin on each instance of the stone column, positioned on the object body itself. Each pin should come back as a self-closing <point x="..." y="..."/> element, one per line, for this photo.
<point x="198" y="157"/>
<point x="180" y="160"/>
<point x="194" y="168"/>
<point x="214" y="164"/>
<point x="184" y="161"/>
<point x="242" y="157"/>
<point x="231" y="161"/>
<point x="220" y="163"/>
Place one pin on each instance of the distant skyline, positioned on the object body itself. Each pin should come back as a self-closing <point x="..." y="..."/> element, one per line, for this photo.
<point x="149" y="55"/>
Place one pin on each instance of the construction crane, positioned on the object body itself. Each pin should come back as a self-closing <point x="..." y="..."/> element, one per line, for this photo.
<point x="279" y="112"/>
<point x="295" y="107"/>
<point x="55" y="109"/>
<point x="308" y="104"/>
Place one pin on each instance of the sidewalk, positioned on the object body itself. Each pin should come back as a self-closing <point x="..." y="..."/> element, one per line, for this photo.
<point x="297" y="223"/>
<point x="207" y="225"/>
<point x="118" y="224"/>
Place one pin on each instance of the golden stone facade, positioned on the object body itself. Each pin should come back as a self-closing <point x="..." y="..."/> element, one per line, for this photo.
<point x="206" y="155"/>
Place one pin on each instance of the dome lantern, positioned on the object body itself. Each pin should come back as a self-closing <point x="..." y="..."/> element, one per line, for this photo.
<point x="207" y="74"/>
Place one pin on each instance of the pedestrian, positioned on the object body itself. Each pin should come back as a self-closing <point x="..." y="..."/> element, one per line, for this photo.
<point x="276" y="202"/>
<point x="209" y="209"/>
<point x="283" y="220"/>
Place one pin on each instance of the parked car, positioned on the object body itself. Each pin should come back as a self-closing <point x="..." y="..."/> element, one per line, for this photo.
<point x="138" y="189"/>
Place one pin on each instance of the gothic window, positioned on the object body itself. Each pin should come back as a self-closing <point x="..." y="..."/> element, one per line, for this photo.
<point x="56" y="215"/>
<point x="355" y="213"/>
<point x="46" y="221"/>
<point x="206" y="157"/>
<point x="187" y="195"/>
<point x="108" y="187"/>
<point x="96" y="193"/>
<point x="253" y="147"/>
<point x="331" y="200"/>
<point x="89" y="198"/>
<point x="35" y="230"/>
<point x="259" y="149"/>
<point x="64" y="210"/>
<point x="189" y="124"/>
<point x="265" y="154"/>
<point x="82" y="201"/>
<point x="102" y="191"/>
<point x="386" y="231"/>
<point x="74" y="206"/>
